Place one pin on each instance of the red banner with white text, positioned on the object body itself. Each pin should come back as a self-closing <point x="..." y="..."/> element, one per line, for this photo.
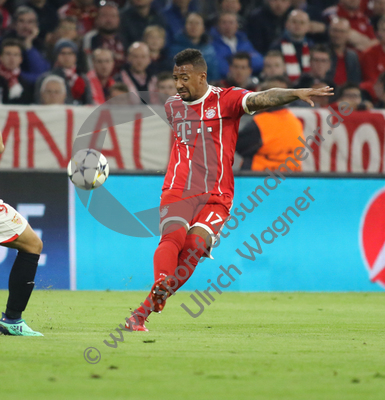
<point x="41" y="137"/>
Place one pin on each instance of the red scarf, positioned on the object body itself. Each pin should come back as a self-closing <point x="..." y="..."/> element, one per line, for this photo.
<point x="293" y="68"/>
<point x="76" y="83"/>
<point x="12" y="77"/>
<point x="6" y="19"/>
<point x="96" y="87"/>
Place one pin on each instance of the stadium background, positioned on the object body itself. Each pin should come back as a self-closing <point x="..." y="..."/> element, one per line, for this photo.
<point x="323" y="243"/>
<point x="322" y="252"/>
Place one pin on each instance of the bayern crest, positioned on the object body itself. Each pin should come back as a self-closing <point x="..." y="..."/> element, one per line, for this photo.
<point x="163" y="211"/>
<point x="211" y="112"/>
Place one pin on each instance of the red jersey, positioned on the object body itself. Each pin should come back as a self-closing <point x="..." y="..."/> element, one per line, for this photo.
<point x="358" y="21"/>
<point x="206" y="133"/>
<point x="372" y="63"/>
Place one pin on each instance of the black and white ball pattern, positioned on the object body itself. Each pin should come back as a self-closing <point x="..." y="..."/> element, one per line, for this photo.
<point x="88" y="169"/>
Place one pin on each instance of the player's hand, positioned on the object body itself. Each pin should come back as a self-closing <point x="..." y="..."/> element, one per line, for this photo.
<point x="306" y="94"/>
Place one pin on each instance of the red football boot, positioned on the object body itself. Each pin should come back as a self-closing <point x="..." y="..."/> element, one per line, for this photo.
<point x="136" y="323"/>
<point x="160" y="292"/>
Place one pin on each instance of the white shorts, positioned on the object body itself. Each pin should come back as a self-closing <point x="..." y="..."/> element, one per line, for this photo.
<point x="12" y="224"/>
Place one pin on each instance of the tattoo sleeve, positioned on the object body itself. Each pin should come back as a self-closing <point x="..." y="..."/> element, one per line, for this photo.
<point x="270" y="98"/>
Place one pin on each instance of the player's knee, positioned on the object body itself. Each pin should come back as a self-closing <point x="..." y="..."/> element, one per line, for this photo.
<point x="36" y="245"/>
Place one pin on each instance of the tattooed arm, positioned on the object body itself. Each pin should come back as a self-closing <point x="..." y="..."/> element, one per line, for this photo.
<point x="278" y="97"/>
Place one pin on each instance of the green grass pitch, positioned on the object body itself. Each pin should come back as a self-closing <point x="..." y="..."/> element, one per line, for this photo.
<point x="288" y="346"/>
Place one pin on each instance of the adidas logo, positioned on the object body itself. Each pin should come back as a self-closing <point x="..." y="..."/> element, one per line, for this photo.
<point x="18" y="328"/>
<point x="178" y="115"/>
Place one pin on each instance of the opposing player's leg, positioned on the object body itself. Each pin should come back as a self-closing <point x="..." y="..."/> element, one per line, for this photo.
<point x="16" y="233"/>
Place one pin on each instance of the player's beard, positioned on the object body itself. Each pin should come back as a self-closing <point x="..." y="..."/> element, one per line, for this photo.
<point x="186" y="96"/>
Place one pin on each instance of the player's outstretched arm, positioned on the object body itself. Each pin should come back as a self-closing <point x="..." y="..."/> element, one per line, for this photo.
<point x="1" y="143"/>
<point x="278" y="97"/>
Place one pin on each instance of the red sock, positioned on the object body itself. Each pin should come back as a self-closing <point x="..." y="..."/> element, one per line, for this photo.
<point x="166" y="255"/>
<point x="166" y="258"/>
<point x="193" y="250"/>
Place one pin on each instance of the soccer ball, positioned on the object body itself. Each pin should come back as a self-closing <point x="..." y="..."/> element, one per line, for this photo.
<point x="88" y="169"/>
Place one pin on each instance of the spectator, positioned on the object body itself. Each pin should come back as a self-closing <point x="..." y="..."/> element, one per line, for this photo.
<point x="175" y="17"/>
<point x="136" y="19"/>
<point x="105" y="36"/>
<point x="155" y="38"/>
<point x="194" y="37"/>
<point x="46" y="15"/>
<point x="65" y="30"/>
<point x="375" y="92"/>
<point x="100" y="77"/>
<point x="27" y="30"/>
<point x="379" y="89"/>
<point x="273" y="65"/>
<point x="53" y="90"/>
<point x="361" y="35"/>
<point x="317" y="26"/>
<point x="78" y="88"/>
<point x="84" y="11"/>
<point x="165" y="84"/>
<point x="351" y="94"/>
<point x="263" y="143"/>
<point x="320" y="62"/>
<point x="118" y="89"/>
<point x="345" y="66"/>
<point x="266" y="24"/>
<point x="231" y="6"/>
<point x="135" y="73"/>
<point x="228" y="40"/>
<point x="373" y="59"/>
<point x="240" y="73"/>
<point x="5" y="18"/>
<point x="377" y="12"/>
<point x="15" y="88"/>
<point x="294" y="45"/>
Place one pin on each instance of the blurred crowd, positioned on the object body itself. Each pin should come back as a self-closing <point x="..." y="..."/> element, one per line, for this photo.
<point x="88" y="51"/>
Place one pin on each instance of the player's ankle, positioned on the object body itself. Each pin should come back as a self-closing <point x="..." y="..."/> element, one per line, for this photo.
<point x="12" y="314"/>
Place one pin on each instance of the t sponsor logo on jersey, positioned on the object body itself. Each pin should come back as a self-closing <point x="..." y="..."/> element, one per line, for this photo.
<point x="163" y="211"/>
<point x="372" y="237"/>
<point x="211" y="112"/>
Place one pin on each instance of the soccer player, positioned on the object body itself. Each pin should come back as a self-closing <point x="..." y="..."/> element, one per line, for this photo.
<point x="198" y="188"/>
<point x="16" y="233"/>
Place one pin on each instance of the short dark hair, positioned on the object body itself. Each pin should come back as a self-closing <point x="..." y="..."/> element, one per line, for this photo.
<point x="24" y="10"/>
<point x="275" y="53"/>
<point x="277" y="78"/>
<point x="321" y="48"/>
<point x="122" y="87"/>
<point x="347" y="86"/>
<point x="241" y="55"/>
<point x="164" y="76"/>
<point x="191" y="56"/>
<point x="11" y="43"/>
